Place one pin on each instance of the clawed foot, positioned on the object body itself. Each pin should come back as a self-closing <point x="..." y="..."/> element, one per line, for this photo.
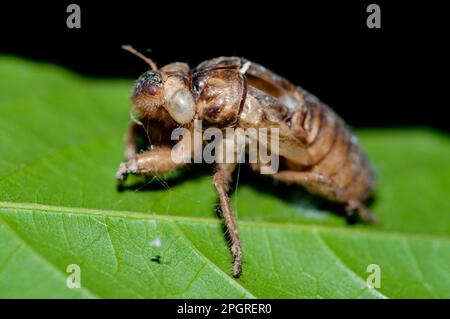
<point x="237" y="262"/>
<point x="362" y="211"/>
<point x="125" y="169"/>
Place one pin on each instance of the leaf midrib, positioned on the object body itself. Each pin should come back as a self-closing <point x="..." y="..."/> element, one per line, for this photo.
<point x="199" y="220"/>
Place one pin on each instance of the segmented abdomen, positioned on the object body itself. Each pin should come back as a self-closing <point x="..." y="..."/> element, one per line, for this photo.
<point x="335" y="151"/>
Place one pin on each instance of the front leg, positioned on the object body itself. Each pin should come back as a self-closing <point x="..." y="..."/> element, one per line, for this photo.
<point x="157" y="161"/>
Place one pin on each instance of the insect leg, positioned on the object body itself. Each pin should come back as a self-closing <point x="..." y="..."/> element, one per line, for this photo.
<point x="320" y="184"/>
<point x="152" y="162"/>
<point x="221" y="179"/>
<point x="362" y="211"/>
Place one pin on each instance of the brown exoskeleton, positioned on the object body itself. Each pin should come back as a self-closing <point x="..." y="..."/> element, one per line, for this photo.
<point x="316" y="150"/>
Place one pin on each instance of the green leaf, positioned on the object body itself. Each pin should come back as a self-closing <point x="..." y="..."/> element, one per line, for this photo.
<point x="61" y="140"/>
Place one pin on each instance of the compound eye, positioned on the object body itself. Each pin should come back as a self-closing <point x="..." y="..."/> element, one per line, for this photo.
<point x="148" y="83"/>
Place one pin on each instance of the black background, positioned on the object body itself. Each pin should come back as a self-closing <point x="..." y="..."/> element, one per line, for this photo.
<point x="393" y="76"/>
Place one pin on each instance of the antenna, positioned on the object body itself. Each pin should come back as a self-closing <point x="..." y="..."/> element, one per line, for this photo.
<point x="149" y="61"/>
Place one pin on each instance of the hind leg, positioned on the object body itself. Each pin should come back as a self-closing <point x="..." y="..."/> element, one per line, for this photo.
<point x="362" y="210"/>
<point x="324" y="186"/>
